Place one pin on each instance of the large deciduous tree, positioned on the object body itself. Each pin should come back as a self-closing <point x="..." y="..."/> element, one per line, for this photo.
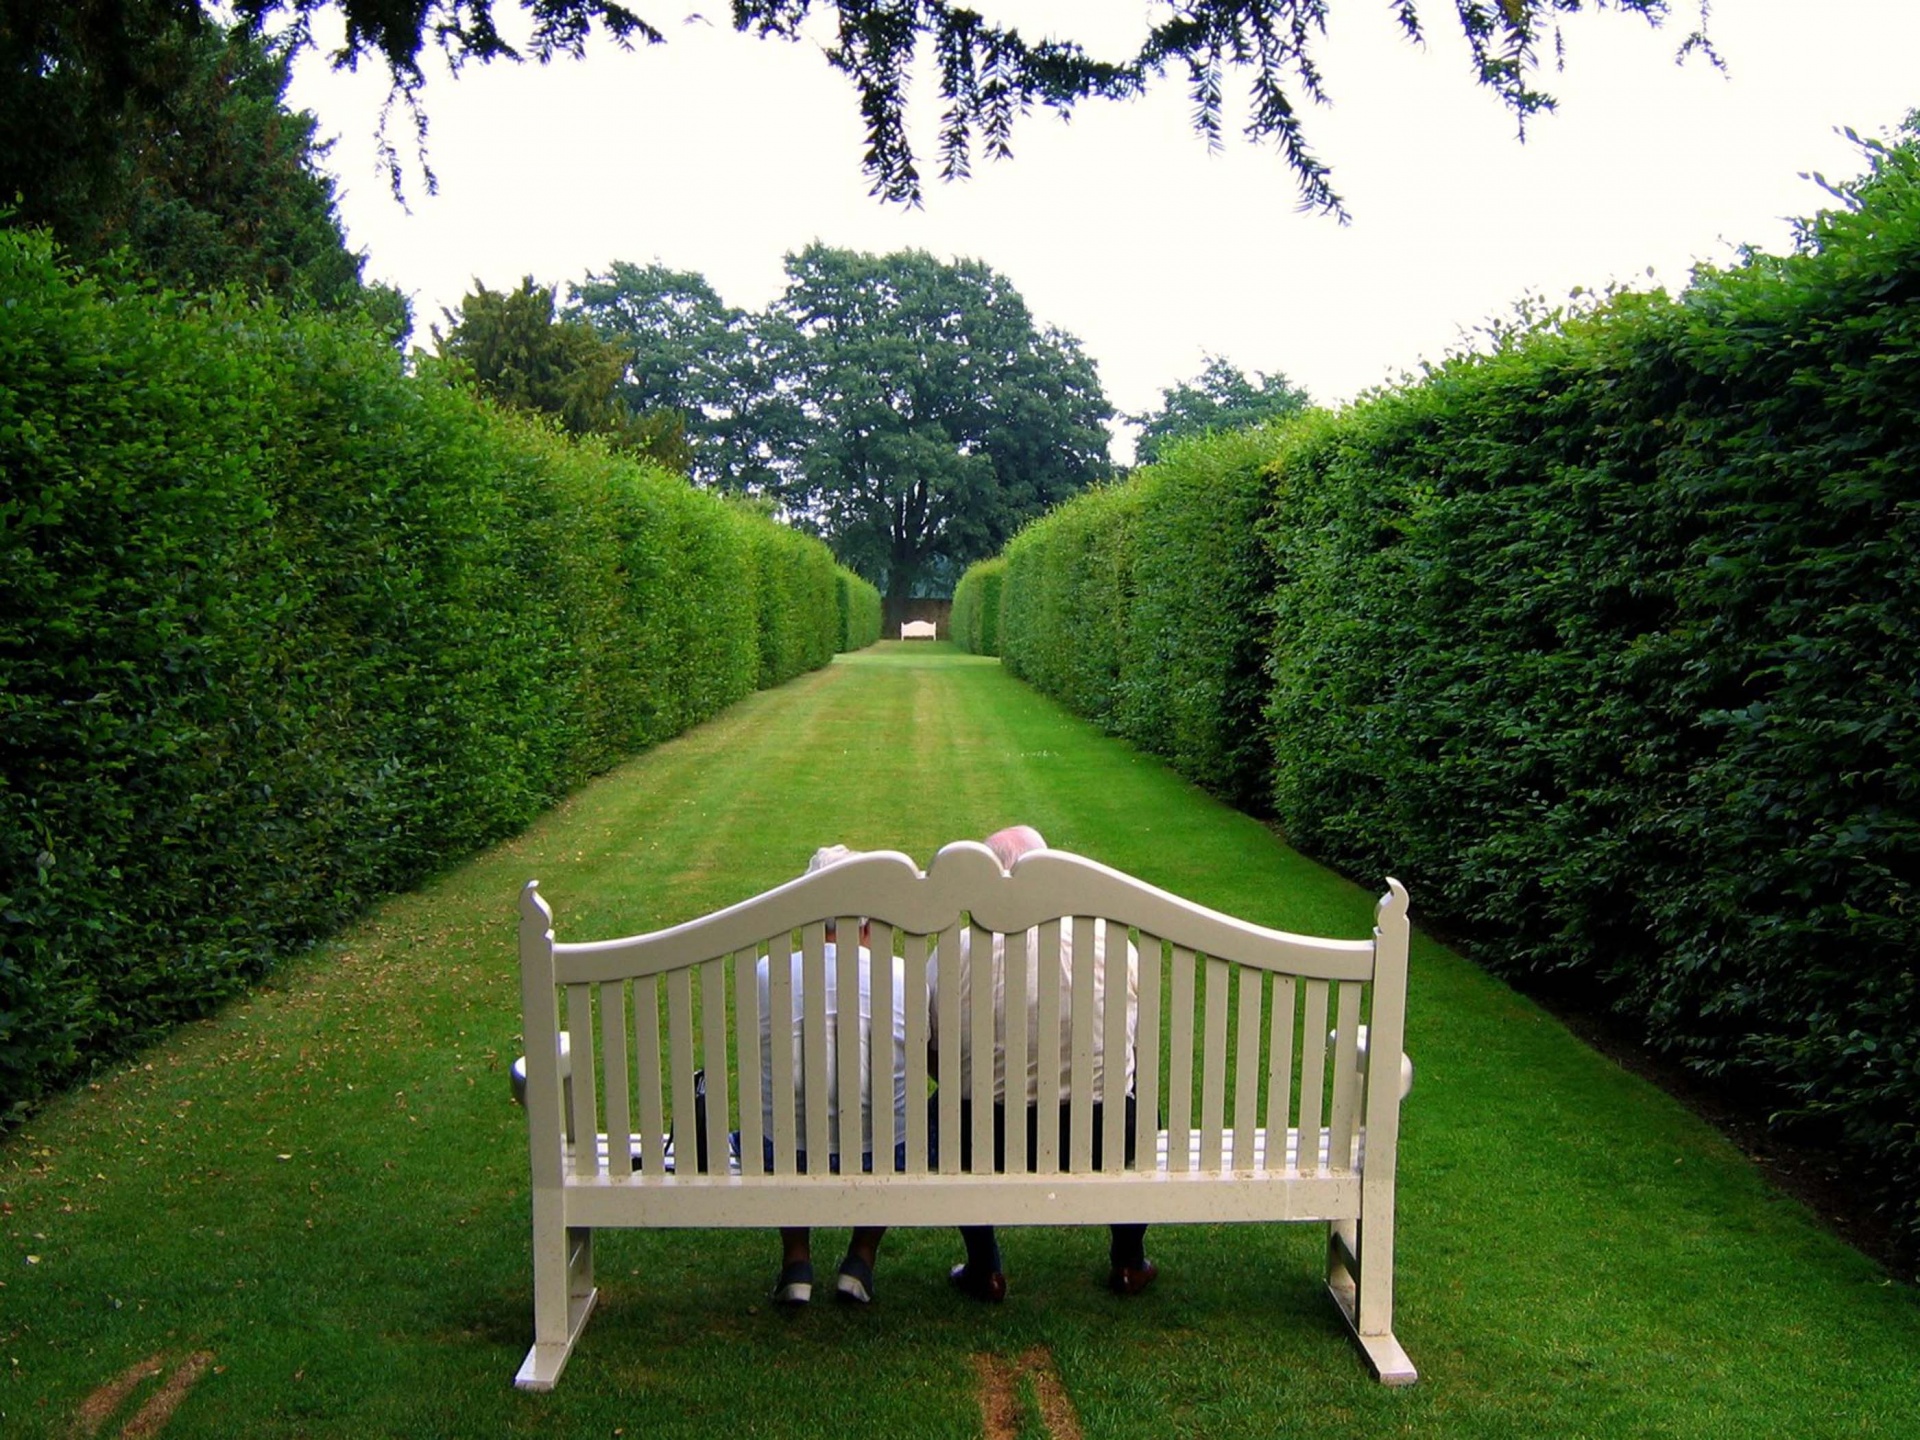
<point x="988" y="71"/>
<point x="1220" y="397"/>
<point x="939" y="416"/>
<point x="689" y="354"/>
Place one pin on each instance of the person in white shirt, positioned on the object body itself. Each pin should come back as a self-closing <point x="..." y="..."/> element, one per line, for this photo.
<point x="982" y="1274"/>
<point x="794" y="1286"/>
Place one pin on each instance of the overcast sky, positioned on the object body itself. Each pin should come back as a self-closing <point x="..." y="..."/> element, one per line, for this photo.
<point x="720" y="154"/>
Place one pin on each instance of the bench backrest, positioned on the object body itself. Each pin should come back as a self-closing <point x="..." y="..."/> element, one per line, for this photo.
<point x="1243" y="1033"/>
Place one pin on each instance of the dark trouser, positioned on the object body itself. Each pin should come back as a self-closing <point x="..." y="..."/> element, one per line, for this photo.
<point x="1126" y="1243"/>
<point x="1033" y="1134"/>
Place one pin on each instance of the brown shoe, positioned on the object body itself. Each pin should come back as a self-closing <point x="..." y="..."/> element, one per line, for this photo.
<point x="986" y="1285"/>
<point x="1132" y="1279"/>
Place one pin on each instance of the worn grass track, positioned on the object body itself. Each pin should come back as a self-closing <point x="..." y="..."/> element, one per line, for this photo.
<point x="307" y="1216"/>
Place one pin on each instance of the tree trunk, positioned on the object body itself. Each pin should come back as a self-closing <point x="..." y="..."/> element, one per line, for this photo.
<point x="894" y="609"/>
<point x="901" y="575"/>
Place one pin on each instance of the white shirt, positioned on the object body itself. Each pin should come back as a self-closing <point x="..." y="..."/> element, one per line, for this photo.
<point x="1064" y="1041"/>
<point x="833" y="1051"/>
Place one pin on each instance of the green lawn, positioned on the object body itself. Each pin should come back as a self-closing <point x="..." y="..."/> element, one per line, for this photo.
<point x="322" y="1192"/>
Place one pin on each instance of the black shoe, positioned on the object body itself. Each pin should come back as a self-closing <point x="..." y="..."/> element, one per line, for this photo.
<point x="794" y="1288"/>
<point x="1132" y="1279"/>
<point x="986" y="1285"/>
<point x="855" y="1285"/>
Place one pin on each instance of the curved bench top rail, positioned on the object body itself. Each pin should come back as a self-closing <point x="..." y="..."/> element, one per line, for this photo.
<point x="888" y="888"/>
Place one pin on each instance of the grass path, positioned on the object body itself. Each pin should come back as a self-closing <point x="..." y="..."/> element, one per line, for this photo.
<point x="307" y="1216"/>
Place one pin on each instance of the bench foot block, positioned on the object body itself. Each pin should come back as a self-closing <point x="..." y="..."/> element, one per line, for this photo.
<point x="541" y="1369"/>
<point x="1384" y="1357"/>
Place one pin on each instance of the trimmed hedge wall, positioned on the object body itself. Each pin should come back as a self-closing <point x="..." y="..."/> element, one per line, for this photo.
<point x="1140" y="607"/>
<point x="1066" y="635"/>
<point x="976" y="615"/>
<point x="1608" y="643"/>
<point x="859" y="605"/>
<point x="1612" y="640"/>
<point x="283" y="628"/>
<point x="975" y="622"/>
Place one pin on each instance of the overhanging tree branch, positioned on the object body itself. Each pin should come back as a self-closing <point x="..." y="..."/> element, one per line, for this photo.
<point x="989" y="73"/>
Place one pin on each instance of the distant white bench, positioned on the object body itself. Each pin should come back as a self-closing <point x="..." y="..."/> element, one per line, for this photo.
<point x="1298" y="1110"/>
<point x="918" y="630"/>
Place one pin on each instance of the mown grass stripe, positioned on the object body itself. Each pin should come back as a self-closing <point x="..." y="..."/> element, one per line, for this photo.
<point x="326" y="1184"/>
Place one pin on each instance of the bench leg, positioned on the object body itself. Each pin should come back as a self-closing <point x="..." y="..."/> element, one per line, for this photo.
<point x="1360" y="1279"/>
<point x="563" y="1293"/>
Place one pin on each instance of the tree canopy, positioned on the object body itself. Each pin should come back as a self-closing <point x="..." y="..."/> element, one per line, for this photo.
<point x="513" y="347"/>
<point x="172" y="144"/>
<point x="988" y="72"/>
<point x="908" y="409"/>
<point x="938" y="416"/>
<point x="1220" y="397"/>
<point x="688" y="353"/>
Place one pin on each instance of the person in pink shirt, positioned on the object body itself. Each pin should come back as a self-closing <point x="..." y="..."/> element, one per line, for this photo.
<point x="982" y="1275"/>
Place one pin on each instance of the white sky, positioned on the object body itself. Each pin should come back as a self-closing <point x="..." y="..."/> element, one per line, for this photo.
<point x="720" y="153"/>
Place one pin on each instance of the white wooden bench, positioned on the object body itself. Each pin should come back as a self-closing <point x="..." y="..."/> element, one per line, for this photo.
<point x="1290" y="1045"/>
<point x="918" y="630"/>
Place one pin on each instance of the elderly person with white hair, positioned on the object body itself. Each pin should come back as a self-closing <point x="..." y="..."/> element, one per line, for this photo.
<point x="794" y="1287"/>
<point x="982" y="1275"/>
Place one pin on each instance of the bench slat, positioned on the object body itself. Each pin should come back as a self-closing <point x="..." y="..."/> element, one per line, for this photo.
<point x="880" y="946"/>
<point x="947" y="1043"/>
<point x="1313" y="1067"/>
<point x="1080" y="1085"/>
<point x="1114" y="1047"/>
<point x="964" y="876"/>
<point x="700" y="1202"/>
<point x="681" y="1063"/>
<point x="1213" y="1066"/>
<point x="1146" y="1055"/>
<point x="613" y="1080"/>
<point x="713" y="1032"/>
<point x="1346" y="1078"/>
<point x="852" y="1139"/>
<point x="1016" y="960"/>
<point x="982" y="959"/>
<point x="646" y="1058"/>
<point x="746" y="1030"/>
<point x="1246" y="1078"/>
<point x="913" y="950"/>
<point x="1046" y="1021"/>
<point x="580" y="1026"/>
<point x="1180" y="1058"/>
<point x="780" y="1049"/>
<point x="813" y="1040"/>
<point x="1280" y="1066"/>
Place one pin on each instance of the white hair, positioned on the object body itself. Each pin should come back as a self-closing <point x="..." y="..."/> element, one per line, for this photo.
<point x="829" y="855"/>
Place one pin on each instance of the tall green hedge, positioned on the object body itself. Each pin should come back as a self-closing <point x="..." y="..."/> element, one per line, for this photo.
<point x="1067" y="634"/>
<point x="1612" y="640"/>
<point x="975" y="622"/>
<point x="1607" y="642"/>
<point x="859" y="605"/>
<point x="1140" y="606"/>
<point x="283" y="628"/>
